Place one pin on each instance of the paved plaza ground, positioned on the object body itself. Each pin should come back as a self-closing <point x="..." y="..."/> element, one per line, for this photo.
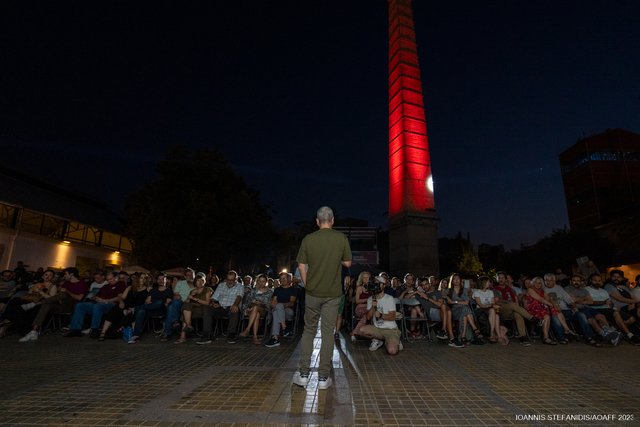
<point x="80" y="381"/>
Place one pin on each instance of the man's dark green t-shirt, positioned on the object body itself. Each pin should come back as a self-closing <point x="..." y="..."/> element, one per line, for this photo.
<point x="323" y="251"/>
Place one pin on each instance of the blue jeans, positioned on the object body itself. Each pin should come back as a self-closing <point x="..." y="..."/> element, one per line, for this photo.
<point x="174" y="311"/>
<point x="557" y="328"/>
<point x="581" y="318"/>
<point x="141" y="315"/>
<point x="96" y="310"/>
<point x="279" y="315"/>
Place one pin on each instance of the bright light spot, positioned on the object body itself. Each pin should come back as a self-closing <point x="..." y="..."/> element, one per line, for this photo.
<point x="117" y="252"/>
<point x="284" y="270"/>
<point x="66" y="242"/>
<point x="430" y="183"/>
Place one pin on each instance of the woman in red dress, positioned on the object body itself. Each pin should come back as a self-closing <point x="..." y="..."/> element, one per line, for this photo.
<point x="540" y="307"/>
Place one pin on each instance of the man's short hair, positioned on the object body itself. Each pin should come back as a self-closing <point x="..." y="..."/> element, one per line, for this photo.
<point x="235" y="273"/>
<point x="191" y="270"/>
<point x="548" y="276"/>
<point x="591" y="276"/>
<point x="285" y="273"/>
<point x="616" y="271"/>
<point x="72" y="271"/>
<point x="324" y="215"/>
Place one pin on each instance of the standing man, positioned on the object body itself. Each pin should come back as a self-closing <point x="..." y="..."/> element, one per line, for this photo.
<point x="320" y="259"/>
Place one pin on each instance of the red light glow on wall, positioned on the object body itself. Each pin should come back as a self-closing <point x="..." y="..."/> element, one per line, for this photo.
<point x="410" y="180"/>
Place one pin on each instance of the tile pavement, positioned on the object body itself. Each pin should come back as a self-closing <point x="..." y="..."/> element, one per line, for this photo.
<point x="79" y="381"/>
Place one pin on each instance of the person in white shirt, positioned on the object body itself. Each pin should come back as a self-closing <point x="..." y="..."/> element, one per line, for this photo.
<point x="381" y="311"/>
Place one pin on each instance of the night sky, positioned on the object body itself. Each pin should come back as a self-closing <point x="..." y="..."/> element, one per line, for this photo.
<point x="294" y="94"/>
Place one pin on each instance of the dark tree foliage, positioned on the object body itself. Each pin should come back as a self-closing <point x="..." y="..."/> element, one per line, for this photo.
<point x="559" y="250"/>
<point x="197" y="212"/>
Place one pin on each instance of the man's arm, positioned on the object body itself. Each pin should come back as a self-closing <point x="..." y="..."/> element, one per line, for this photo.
<point x="346" y="263"/>
<point x="303" y="272"/>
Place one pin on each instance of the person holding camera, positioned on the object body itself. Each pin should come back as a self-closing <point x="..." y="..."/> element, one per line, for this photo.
<point x="381" y="311"/>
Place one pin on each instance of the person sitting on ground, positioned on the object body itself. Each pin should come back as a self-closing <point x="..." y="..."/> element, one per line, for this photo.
<point x="625" y="303"/>
<point x="461" y="312"/>
<point x="283" y="305"/>
<point x="121" y="314"/>
<point x="381" y="310"/>
<point x="196" y="305"/>
<point x="436" y="309"/>
<point x="159" y="298"/>
<point x="360" y="300"/>
<point x="65" y="299"/>
<point x="601" y="301"/>
<point x="181" y="292"/>
<point x="107" y="298"/>
<point x="21" y="311"/>
<point x="593" y="319"/>
<point x="486" y="302"/>
<point x="226" y="302"/>
<point x="257" y="306"/>
<point x="407" y="295"/>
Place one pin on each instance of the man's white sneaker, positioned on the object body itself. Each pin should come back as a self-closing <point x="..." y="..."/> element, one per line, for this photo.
<point x="86" y="331"/>
<point x="375" y="344"/>
<point x="31" y="336"/>
<point x="301" y="379"/>
<point x="324" y="383"/>
<point x="28" y="306"/>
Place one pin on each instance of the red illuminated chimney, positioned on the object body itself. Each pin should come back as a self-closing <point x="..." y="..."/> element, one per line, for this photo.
<point x="413" y="223"/>
<point x="410" y="183"/>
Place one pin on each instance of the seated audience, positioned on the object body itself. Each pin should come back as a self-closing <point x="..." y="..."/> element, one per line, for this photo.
<point x="20" y="312"/>
<point x="543" y="309"/>
<point x="437" y="310"/>
<point x="65" y="299"/>
<point x="486" y="302"/>
<point x="283" y="306"/>
<point x="257" y="306"/>
<point x="196" y="305"/>
<point x="624" y="302"/>
<point x="361" y="294"/>
<point x="181" y="291"/>
<point x="461" y="311"/>
<point x="108" y="296"/>
<point x="510" y="308"/>
<point x="226" y="302"/>
<point x="160" y="296"/>
<point x="121" y="314"/>
<point x="407" y="294"/>
<point x="601" y="302"/>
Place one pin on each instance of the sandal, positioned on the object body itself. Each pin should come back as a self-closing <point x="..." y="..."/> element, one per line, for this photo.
<point x="549" y="341"/>
<point x="101" y="337"/>
<point x="570" y="332"/>
<point x="477" y="333"/>
<point x="243" y="334"/>
<point x="564" y="341"/>
<point x="164" y="338"/>
<point x="493" y="340"/>
<point x="180" y="341"/>
<point x="257" y="341"/>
